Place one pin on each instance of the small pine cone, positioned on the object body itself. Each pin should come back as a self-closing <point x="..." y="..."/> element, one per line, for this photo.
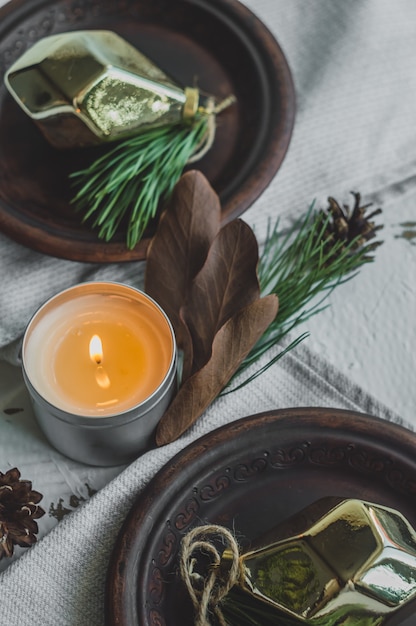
<point x="348" y="226"/>
<point x="18" y="511"/>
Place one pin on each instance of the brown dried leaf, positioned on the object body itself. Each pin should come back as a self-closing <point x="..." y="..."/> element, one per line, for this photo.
<point x="180" y="246"/>
<point x="231" y="345"/>
<point x="226" y="284"/>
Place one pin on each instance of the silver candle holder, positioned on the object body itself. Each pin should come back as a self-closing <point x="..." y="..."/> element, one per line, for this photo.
<point x="100" y="405"/>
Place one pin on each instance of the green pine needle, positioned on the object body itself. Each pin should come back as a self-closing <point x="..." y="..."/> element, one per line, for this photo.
<point x="302" y="267"/>
<point x="131" y="181"/>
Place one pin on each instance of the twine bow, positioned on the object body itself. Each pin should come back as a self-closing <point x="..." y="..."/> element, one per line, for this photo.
<point x="207" y="591"/>
<point x="212" y="110"/>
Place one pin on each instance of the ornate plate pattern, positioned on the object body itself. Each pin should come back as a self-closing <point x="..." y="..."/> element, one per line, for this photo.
<point x="249" y="476"/>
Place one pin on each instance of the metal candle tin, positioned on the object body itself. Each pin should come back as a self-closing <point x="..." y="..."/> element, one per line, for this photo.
<point x="112" y="439"/>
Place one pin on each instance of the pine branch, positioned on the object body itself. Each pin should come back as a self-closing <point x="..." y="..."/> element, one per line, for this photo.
<point x="303" y="266"/>
<point x="129" y="183"/>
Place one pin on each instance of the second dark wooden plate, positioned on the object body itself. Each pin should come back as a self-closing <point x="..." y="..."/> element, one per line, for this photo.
<point x="218" y="43"/>
<point x="250" y="476"/>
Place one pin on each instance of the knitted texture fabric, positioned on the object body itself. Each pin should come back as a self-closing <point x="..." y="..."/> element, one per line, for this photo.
<point x="353" y="69"/>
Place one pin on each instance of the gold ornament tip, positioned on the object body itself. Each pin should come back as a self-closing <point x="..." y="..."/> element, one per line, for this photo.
<point x="358" y="558"/>
<point x="338" y="561"/>
<point x="88" y="87"/>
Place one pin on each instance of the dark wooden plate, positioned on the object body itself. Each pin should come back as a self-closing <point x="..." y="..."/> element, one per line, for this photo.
<point x="220" y="43"/>
<point x="249" y="476"/>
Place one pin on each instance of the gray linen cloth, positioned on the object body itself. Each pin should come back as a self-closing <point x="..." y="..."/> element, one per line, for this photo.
<point x="353" y="67"/>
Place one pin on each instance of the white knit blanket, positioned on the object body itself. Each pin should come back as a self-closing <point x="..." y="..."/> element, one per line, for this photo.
<point x="353" y="65"/>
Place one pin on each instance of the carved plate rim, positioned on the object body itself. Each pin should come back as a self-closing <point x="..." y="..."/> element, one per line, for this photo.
<point x="290" y="449"/>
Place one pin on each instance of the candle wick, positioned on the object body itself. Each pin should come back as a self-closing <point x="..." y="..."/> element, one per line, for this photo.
<point x="102" y="378"/>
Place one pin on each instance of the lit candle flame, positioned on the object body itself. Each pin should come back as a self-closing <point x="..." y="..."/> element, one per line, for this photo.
<point x="96" y="356"/>
<point x="96" y="350"/>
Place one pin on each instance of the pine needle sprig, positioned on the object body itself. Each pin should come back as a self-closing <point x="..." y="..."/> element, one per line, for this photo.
<point x="303" y="266"/>
<point x="131" y="181"/>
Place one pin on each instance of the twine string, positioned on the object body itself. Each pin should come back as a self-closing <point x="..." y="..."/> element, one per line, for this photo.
<point x="212" y="110"/>
<point x="207" y="592"/>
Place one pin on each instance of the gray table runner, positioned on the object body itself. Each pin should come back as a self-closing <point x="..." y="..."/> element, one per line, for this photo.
<point x="353" y="63"/>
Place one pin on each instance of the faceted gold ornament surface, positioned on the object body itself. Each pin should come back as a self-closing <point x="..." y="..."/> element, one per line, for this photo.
<point x="355" y="565"/>
<point x="88" y="87"/>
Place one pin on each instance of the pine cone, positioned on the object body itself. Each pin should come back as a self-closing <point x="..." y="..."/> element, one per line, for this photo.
<point x="348" y="226"/>
<point x="18" y="511"/>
